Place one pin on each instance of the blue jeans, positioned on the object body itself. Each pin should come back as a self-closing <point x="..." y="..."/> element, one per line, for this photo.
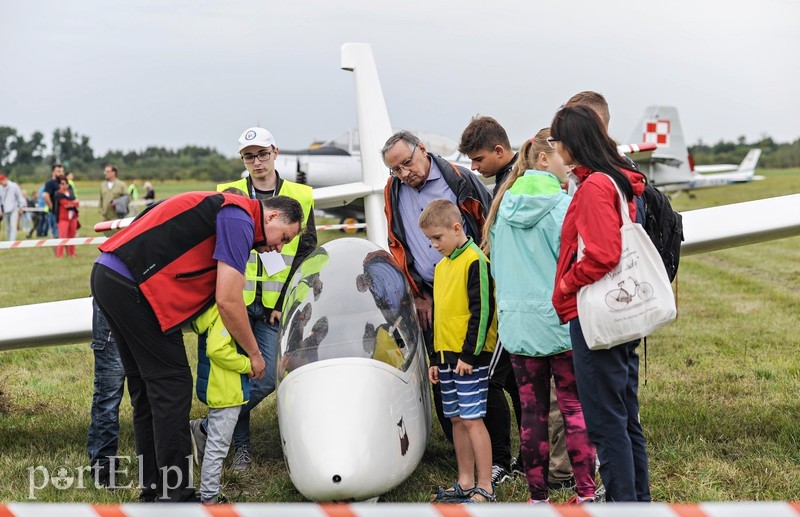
<point x="109" y="379"/>
<point x="608" y="386"/>
<point x="52" y="225"/>
<point x="267" y="339"/>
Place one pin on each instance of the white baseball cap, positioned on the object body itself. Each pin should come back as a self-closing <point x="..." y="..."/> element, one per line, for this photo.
<point x="256" y="136"/>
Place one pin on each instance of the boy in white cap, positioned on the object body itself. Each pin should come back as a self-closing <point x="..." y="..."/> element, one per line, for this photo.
<point x="263" y="293"/>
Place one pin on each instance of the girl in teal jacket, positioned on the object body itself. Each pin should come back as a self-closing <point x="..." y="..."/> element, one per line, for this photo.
<point x="524" y="232"/>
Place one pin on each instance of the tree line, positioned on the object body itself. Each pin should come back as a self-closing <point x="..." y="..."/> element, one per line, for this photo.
<point x="28" y="159"/>
<point x="774" y="155"/>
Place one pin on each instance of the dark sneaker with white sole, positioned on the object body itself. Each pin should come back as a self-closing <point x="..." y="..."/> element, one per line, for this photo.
<point x="499" y="475"/>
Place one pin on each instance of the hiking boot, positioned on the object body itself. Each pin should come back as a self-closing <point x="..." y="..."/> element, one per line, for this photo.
<point x="242" y="460"/>
<point x="199" y="436"/>
<point x="567" y="484"/>
<point x="516" y="467"/>
<point x="499" y="475"/>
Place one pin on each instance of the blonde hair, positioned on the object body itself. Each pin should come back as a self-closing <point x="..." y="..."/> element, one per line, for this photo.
<point x="528" y="158"/>
<point x="439" y="212"/>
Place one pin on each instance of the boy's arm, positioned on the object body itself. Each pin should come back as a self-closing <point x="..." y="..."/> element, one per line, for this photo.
<point x="481" y="307"/>
<point x="221" y="350"/>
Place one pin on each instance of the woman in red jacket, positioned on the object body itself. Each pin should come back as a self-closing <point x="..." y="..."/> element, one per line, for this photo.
<point x="608" y="380"/>
<point x="66" y="209"/>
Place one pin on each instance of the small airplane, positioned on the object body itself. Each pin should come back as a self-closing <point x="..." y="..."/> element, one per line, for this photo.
<point x="351" y="397"/>
<point x="338" y="160"/>
<point x="671" y="168"/>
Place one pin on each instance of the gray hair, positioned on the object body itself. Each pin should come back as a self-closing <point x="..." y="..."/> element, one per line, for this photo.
<point x="405" y="136"/>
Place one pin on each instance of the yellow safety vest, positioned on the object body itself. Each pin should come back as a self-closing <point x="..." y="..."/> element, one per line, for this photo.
<point x="254" y="272"/>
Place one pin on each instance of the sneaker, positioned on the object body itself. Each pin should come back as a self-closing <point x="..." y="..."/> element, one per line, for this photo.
<point x="220" y="499"/>
<point x="516" y="467"/>
<point x="600" y="493"/>
<point x="242" y="459"/>
<point x="539" y="501"/>
<point x="576" y="499"/>
<point x="199" y="436"/>
<point x="499" y="475"/>
<point x="567" y="484"/>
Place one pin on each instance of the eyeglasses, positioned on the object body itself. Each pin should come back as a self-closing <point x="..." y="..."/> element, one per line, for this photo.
<point x="552" y="142"/>
<point x="406" y="165"/>
<point x="262" y="156"/>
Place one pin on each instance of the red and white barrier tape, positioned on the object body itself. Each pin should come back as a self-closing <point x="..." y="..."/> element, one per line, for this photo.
<point x="49" y="243"/>
<point x="741" y="509"/>
<point x="109" y="225"/>
<point x="344" y="227"/>
<point x="122" y="223"/>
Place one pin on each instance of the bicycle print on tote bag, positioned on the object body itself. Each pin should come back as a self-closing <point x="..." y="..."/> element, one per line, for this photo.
<point x="632" y="300"/>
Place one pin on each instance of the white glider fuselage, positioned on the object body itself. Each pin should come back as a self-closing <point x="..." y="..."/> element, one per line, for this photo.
<point x="353" y="393"/>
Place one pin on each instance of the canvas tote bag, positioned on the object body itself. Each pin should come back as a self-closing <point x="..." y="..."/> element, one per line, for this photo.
<point x="632" y="300"/>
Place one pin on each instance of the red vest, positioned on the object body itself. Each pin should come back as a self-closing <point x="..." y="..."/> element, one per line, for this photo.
<point x="169" y="251"/>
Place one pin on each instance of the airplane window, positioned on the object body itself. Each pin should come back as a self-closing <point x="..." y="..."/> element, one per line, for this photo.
<point x="348" y="299"/>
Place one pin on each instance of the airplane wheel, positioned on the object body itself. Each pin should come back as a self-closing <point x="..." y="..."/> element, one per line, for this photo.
<point x="349" y="220"/>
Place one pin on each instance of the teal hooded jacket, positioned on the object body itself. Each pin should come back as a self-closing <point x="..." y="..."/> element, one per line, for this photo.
<point x="525" y="239"/>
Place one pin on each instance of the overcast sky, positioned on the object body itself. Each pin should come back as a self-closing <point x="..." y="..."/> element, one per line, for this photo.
<point x="173" y="73"/>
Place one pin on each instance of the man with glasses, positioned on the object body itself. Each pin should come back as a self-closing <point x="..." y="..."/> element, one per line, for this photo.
<point x="416" y="179"/>
<point x="264" y="292"/>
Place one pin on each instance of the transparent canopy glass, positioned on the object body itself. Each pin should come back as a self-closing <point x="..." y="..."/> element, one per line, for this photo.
<point x="348" y="299"/>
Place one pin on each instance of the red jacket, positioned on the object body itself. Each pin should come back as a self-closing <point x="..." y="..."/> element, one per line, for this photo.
<point x="169" y="251"/>
<point x="594" y="213"/>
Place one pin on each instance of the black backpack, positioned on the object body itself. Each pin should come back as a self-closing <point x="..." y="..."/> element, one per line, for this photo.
<point x="664" y="226"/>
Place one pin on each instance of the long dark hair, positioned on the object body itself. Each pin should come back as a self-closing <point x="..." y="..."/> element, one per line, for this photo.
<point x="581" y="132"/>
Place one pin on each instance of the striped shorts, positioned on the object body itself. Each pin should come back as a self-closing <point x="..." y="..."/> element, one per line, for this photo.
<point x="464" y="396"/>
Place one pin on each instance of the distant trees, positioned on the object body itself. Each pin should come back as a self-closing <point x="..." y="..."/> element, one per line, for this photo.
<point x="773" y="155"/>
<point x="27" y="159"/>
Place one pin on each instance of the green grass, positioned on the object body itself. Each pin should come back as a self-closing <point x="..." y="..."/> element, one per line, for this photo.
<point x="720" y="406"/>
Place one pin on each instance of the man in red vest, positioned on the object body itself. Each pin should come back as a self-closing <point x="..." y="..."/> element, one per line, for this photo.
<point x="177" y="259"/>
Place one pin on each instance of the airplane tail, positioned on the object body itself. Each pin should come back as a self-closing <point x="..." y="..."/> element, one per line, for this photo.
<point x="670" y="162"/>
<point x="748" y="165"/>
<point x="374" y="129"/>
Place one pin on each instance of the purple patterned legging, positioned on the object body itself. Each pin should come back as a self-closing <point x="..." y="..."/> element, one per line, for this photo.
<point x="533" y="378"/>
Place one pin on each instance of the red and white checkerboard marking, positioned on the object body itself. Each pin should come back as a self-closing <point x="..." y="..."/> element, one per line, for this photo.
<point x="656" y="131"/>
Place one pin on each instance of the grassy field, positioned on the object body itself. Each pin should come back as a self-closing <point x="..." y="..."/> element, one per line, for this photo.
<point x="719" y="407"/>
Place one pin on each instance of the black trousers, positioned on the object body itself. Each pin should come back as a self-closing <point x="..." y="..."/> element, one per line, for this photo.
<point x="160" y="386"/>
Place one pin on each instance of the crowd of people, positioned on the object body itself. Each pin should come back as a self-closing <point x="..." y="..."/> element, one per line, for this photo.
<point x="443" y="228"/>
<point x="508" y="325"/>
<point x="48" y="213"/>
